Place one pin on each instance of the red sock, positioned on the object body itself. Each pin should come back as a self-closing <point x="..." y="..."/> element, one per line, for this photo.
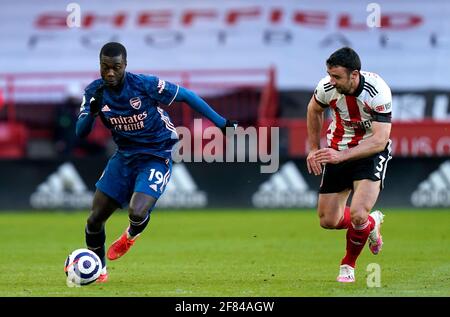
<point x="346" y="219"/>
<point x="356" y="239"/>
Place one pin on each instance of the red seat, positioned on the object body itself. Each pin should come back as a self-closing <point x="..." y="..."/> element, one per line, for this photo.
<point x="13" y="140"/>
<point x="99" y="134"/>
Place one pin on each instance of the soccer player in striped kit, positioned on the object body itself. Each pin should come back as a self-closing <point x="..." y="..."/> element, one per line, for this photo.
<point x="137" y="174"/>
<point x="357" y="154"/>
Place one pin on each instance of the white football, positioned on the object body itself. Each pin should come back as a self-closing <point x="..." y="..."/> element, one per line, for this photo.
<point x="82" y="267"/>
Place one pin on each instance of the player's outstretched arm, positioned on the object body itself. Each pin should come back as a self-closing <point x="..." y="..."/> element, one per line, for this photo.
<point x="198" y="104"/>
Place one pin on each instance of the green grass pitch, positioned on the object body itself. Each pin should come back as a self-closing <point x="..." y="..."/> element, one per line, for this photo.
<point x="243" y="253"/>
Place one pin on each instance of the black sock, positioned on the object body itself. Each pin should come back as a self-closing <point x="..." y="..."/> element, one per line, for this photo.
<point x="138" y="225"/>
<point x="95" y="241"/>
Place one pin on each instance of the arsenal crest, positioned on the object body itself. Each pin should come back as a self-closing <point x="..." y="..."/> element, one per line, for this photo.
<point x="135" y="102"/>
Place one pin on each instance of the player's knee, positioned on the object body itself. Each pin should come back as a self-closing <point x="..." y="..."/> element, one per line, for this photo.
<point x="137" y="214"/>
<point x="359" y="218"/>
<point x="327" y="223"/>
<point x="94" y="223"/>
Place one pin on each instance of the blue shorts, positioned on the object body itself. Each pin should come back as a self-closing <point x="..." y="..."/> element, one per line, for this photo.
<point x="123" y="176"/>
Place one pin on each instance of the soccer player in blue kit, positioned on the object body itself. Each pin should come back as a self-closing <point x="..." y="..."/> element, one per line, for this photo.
<point x="138" y="173"/>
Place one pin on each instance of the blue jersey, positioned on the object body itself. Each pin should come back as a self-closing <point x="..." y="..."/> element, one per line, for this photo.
<point x="137" y="123"/>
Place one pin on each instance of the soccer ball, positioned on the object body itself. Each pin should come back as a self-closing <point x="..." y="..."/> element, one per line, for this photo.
<point x="82" y="267"/>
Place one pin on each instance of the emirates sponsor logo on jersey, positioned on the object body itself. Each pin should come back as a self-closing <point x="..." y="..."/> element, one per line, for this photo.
<point x="135" y="102"/>
<point x="128" y="123"/>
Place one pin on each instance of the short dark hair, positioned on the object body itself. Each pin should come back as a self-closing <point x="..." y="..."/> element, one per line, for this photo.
<point x="113" y="49"/>
<point x="345" y="57"/>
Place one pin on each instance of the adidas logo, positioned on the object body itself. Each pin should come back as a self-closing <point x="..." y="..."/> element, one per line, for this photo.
<point x="62" y="189"/>
<point x="286" y="188"/>
<point x="435" y="190"/>
<point x="105" y="108"/>
<point x="181" y="191"/>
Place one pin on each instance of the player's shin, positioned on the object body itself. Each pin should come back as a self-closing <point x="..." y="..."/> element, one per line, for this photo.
<point x="95" y="241"/>
<point x="356" y="239"/>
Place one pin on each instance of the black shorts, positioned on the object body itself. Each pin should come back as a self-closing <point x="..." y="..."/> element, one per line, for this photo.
<point x="339" y="177"/>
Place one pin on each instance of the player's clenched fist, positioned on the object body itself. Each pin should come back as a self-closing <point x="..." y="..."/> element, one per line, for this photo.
<point x="96" y="101"/>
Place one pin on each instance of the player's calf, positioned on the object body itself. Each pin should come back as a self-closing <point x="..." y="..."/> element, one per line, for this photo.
<point x="138" y="224"/>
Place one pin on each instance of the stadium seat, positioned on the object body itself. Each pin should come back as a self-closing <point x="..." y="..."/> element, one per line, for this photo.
<point x="13" y="140"/>
<point x="99" y="135"/>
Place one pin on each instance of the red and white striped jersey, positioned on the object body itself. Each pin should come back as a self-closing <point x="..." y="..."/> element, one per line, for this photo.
<point x="353" y="114"/>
